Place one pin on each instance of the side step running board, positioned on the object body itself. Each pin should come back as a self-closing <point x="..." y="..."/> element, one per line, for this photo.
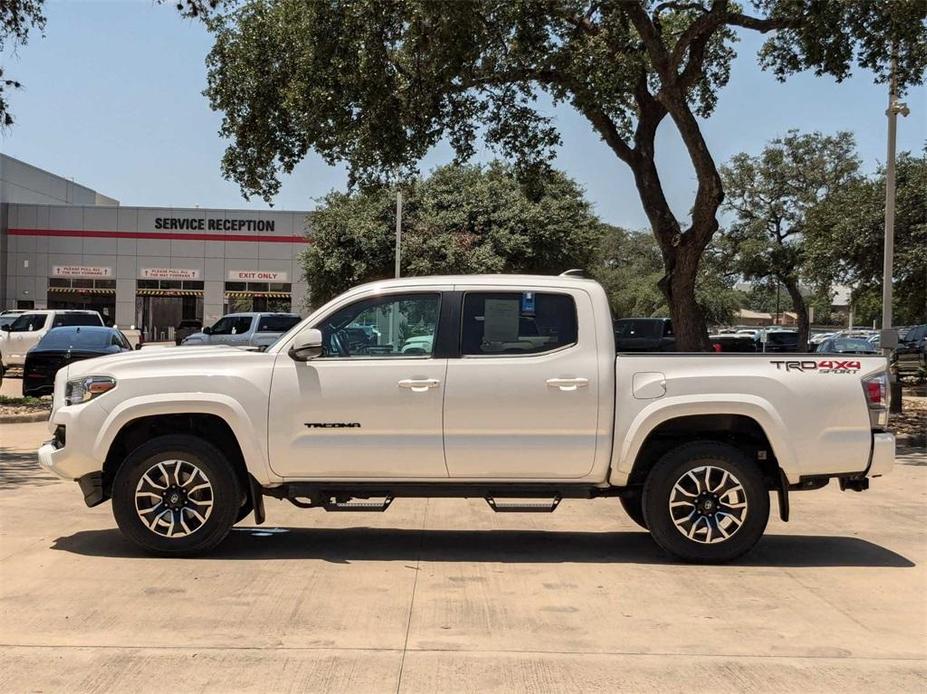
<point x="358" y="506"/>
<point x="523" y="508"/>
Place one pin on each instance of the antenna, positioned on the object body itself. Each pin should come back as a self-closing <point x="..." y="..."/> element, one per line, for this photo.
<point x="575" y="272"/>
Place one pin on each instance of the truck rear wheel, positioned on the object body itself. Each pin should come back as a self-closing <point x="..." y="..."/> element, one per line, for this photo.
<point x="176" y="495"/>
<point x="706" y="502"/>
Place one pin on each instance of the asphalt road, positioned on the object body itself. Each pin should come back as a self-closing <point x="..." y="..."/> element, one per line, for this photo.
<point x="444" y="595"/>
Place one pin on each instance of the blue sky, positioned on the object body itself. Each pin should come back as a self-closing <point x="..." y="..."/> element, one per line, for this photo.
<point x="113" y="99"/>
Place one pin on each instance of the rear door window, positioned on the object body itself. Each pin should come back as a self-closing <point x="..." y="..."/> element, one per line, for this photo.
<point x="517" y="323"/>
<point x="29" y="322"/>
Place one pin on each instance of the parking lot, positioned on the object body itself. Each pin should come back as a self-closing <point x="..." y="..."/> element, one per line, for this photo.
<point x="444" y="595"/>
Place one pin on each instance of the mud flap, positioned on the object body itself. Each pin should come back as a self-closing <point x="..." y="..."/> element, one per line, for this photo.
<point x="783" y="497"/>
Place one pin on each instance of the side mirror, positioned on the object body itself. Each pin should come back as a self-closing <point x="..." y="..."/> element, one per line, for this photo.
<point x="207" y="330"/>
<point x="307" y="345"/>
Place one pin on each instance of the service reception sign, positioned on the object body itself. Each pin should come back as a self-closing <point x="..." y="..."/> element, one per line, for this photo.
<point x="87" y="272"/>
<point x="168" y="273"/>
<point x="256" y="276"/>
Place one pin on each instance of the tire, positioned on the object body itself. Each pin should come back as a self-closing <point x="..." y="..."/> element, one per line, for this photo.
<point x="200" y="496"/>
<point x="634" y="507"/>
<point x="726" y="493"/>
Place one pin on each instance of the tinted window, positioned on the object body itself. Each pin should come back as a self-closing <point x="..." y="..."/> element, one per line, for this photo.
<point x="392" y="326"/>
<point x="517" y="322"/>
<point x="277" y="324"/>
<point x="28" y="322"/>
<point x="74" y="338"/>
<point x="781" y="338"/>
<point x="631" y="327"/>
<point x="232" y="325"/>
<point x="64" y="319"/>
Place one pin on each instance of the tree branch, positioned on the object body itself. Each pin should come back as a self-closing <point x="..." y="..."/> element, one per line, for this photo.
<point x="760" y="24"/>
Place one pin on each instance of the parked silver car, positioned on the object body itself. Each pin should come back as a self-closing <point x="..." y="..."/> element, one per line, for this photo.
<point x="244" y="330"/>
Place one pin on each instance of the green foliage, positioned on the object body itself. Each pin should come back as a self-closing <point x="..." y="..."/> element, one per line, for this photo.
<point x="377" y="84"/>
<point x="770" y="195"/>
<point x="461" y="219"/>
<point x="845" y="237"/>
<point x="17" y="19"/>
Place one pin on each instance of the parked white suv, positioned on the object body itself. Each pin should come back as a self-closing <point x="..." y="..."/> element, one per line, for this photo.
<point x="24" y="333"/>
<point x="519" y="394"/>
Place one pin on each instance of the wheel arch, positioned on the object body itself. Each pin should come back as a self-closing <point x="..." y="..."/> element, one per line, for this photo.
<point x="225" y="425"/>
<point x="752" y="426"/>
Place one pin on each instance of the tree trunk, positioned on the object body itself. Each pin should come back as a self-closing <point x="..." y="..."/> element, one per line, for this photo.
<point x="798" y="303"/>
<point x="678" y="286"/>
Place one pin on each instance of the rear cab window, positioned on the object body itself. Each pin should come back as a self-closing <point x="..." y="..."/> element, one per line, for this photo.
<point x="517" y="323"/>
<point x="66" y="319"/>
<point x="276" y="324"/>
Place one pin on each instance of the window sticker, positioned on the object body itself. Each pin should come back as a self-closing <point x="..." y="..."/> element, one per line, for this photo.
<point x="500" y="320"/>
<point x="527" y="304"/>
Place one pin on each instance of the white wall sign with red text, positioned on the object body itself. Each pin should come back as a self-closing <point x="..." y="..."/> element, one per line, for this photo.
<point x="168" y="273"/>
<point x="82" y="271"/>
<point x="256" y="276"/>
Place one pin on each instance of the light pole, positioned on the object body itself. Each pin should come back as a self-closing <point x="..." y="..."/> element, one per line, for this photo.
<point x="398" y="228"/>
<point x="888" y="338"/>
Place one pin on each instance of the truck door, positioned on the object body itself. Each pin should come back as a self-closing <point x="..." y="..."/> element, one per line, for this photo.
<point x="522" y="399"/>
<point x="370" y="406"/>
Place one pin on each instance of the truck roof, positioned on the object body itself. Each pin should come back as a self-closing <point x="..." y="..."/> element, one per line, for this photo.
<point x="476" y="280"/>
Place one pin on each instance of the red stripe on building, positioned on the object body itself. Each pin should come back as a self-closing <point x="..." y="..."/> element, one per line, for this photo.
<point x="87" y="233"/>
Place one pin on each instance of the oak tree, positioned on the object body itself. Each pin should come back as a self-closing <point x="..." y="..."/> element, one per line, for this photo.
<point x="770" y="195"/>
<point x="378" y="83"/>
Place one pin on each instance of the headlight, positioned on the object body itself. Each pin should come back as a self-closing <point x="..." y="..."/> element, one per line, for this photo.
<point x="87" y="388"/>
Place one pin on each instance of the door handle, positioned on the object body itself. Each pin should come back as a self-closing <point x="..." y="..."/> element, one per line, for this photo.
<point x="419" y="385"/>
<point x="567" y="383"/>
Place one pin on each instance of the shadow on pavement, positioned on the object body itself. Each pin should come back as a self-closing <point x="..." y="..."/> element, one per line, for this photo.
<point x="19" y="468"/>
<point x="504" y="546"/>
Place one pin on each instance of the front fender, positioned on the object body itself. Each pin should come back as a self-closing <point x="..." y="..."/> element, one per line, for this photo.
<point x="761" y="411"/>
<point x="252" y="443"/>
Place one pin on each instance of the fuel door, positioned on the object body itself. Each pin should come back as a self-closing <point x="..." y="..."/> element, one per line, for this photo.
<point x="648" y="385"/>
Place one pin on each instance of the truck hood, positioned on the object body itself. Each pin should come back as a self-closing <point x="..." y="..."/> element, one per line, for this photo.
<point x="150" y="359"/>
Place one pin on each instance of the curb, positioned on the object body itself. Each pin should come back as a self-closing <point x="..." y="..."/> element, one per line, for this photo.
<point x="24" y="418"/>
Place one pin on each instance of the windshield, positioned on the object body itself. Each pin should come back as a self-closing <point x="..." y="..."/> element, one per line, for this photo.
<point x="852" y="345"/>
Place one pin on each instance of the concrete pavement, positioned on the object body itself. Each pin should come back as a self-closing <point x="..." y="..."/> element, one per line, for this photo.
<point x="444" y="595"/>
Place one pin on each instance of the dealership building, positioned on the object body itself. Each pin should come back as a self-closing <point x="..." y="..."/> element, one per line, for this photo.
<point x="63" y="245"/>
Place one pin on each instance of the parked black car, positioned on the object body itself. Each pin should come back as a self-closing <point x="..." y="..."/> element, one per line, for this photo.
<point x="186" y="327"/>
<point x="732" y="343"/>
<point x="911" y="353"/>
<point x="847" y="345"/>
<point x="644" y="335"/>
<point x="60" y="347"/>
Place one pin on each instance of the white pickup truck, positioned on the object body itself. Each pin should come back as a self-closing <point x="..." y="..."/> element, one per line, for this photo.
<point x="517" y="395"/>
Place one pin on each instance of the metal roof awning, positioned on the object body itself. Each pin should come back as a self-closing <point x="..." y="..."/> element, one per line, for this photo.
<point x="169" y="292"/>
<point x="81" y="290"/>
<point x="248" y="295"/>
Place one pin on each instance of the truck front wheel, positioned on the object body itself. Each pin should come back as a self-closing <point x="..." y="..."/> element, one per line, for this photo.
<point x="634" y="507"/>
<point x="705" y="502"/>
<point x="176" y="495"/>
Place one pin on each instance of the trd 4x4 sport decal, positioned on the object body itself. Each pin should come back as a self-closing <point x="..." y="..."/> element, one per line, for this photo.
<point x="824" y="366"/>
